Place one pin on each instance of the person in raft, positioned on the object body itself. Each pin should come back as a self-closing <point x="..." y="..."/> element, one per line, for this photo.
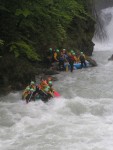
<point x="71" y="61"/>
<point x="46" y="87"/>
<point x="56" y="55"/>
<point x="29" y="89"/>
<point x="82" y="59"/>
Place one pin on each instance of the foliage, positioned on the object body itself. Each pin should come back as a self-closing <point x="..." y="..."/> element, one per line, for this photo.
<point x="28" y="28"/>
<point x="41" y="22"/>
<point x="22" y="48"/>
<point x="1" y="42"/>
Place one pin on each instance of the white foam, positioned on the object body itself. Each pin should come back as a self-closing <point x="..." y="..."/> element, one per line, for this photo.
<point x="107" y="43"/>
<point x="76" y="123"/>
<point x="82" y="119"/>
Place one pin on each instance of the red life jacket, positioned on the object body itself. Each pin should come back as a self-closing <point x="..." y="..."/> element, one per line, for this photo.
<point x="72" y="57"/>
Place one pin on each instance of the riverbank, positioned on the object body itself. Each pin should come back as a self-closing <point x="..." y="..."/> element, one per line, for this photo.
<point x="39" y="70"/>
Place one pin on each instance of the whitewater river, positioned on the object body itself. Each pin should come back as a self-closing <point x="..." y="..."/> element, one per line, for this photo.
<point x="82" y="119"/>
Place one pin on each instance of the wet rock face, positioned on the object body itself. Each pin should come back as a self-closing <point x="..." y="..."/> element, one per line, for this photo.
<point x="91" y="61"/>
<point x="111" y="58"/>
<point x="98" y="6"/>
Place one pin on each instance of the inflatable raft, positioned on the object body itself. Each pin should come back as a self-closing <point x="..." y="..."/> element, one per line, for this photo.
<point x="40" y="95"/>
<point x="77" y="65"/>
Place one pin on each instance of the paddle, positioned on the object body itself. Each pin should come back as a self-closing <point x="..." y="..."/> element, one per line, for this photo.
<point x="32" y="91"/>
<point x="46" y="93"/>
<point x="66" y="64"/>
<point x="30" y="97"/>
<point x="56" y="94"/>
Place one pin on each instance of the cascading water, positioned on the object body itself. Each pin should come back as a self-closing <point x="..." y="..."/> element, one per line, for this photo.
<point x="82" y="119"/>
<point x="103" y="38"/>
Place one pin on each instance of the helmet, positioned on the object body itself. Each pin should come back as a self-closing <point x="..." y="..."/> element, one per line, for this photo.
<point x="50" y="49"/>
<point x="47" y="89"/>
<point x="27" y="88"/>
<point x="73" y="53"/>
<point x="32" y="90"/>
<point x="64" y="49"/>
<point x="81" y="52"/>
<point x="57" y="50"/>
<point x="32" y="82"/>
<point x="50" y="82"/>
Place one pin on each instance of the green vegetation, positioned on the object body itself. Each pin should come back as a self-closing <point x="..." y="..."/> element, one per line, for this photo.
<point x="29" y="27"/>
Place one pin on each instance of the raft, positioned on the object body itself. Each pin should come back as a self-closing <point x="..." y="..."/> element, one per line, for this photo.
<point x="40" y="95"/>
<point x="77" y="65"/>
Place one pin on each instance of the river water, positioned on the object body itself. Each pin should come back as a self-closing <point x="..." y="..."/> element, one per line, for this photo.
<point x="81" y="119"/>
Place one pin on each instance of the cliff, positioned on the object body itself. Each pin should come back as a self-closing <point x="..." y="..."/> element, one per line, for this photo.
<point x="29" y="28"/>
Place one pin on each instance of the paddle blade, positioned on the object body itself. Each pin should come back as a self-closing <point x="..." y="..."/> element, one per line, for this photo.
<point x="56" y="94"/>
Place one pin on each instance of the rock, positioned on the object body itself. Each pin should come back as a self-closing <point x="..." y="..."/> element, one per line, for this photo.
<point x="54" y="79"/>
<point x="45" y="77"/>
<point x="91" y="61"/>
<point x="18" y="86"/>
<point x="111" y="58"/>
<point x="50" y="72"/>
<point x="5" y="90"/>
<point x="39" y="71"/>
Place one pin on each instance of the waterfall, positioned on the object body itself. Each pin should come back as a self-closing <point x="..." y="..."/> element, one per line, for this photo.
<point x="103" y="12"/>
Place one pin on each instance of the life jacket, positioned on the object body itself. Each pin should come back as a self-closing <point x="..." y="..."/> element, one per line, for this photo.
<point x="25" y="92"/>
<point x="82" y="58"/>
<point x="55" y="56"/>
<point x="71" y="59"/>
<point x="75" y="58"/>
<point x="51" y="89"/>
<point x="24" y="95"/>
<point x="43" y="84"/>
<point x="61" y="58"/>
<point x="32" y="87"/>
<point x="65" y="56"/>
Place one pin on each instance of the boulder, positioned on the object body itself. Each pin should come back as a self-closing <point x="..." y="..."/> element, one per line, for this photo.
<point x="50" y="72"/>
<point x="91" y="61"/>
<point x="111" y="58"/>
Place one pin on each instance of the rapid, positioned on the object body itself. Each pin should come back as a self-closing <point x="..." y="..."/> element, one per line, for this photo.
<point x="81" y="119"/>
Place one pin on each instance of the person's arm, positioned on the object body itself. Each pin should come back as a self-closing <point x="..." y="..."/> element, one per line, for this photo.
<point x="75" y="59"/>
<point x="85" y="57"/>
<point x="55" y="56"/>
